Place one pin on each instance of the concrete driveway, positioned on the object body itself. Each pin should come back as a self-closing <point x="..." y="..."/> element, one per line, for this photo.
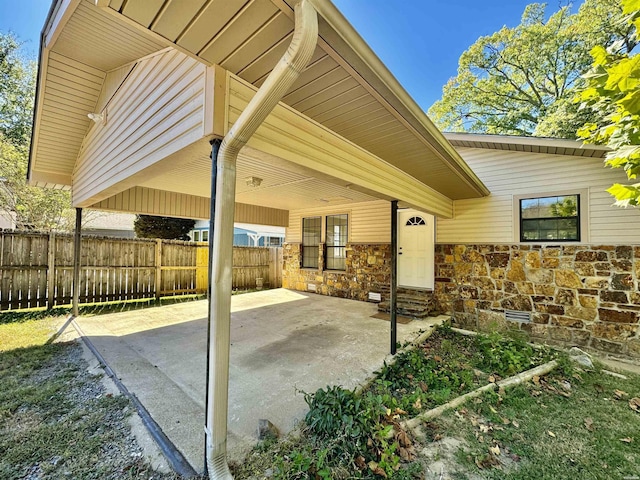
<point x="282" y="342"/>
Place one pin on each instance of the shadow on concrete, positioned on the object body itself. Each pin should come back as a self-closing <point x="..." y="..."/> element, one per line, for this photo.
<point x="282" y="343"/>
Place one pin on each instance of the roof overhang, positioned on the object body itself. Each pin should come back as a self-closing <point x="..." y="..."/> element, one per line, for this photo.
<point x="345" y="89"/>
<point x="554" y="146"/>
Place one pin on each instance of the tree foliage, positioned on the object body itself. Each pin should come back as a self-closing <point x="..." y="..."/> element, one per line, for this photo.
<point x="612" y="90"/>
<point x="150" y="226"/>
<point x="33" y="208"/>
<point x="522" y="80"/>
<point x="17" y="90"/>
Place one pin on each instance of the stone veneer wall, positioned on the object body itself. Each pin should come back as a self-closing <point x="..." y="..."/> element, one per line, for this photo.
<point x="367" y="269"/>
<point x="582" y="295"/>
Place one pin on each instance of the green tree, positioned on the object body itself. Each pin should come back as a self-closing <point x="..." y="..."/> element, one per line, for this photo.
<point x="17" y="90"/>
<point x="612" y="91"/>
<point x="33" y="208"/>
<point x="150" y="226"/>
<point x="522" y="80"/>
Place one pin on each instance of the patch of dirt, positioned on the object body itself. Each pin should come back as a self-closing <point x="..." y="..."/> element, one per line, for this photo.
<point x="439" y="460"/>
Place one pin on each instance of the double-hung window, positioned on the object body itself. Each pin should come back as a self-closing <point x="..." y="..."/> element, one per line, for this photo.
<point x="555" y="218"/>
<point x="336" y="242"/>
<point x="311" y="234"/>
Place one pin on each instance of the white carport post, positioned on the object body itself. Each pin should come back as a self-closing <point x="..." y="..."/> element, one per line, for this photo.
<point x="278" y="82"/>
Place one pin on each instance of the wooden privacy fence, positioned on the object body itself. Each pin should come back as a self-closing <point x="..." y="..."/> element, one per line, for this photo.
<point x="36" y="269"/>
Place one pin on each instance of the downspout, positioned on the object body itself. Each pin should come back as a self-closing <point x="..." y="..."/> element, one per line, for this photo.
<point x="266" y="98"/>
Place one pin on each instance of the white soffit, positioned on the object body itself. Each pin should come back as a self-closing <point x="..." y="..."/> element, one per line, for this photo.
<point x="345" y="87"/>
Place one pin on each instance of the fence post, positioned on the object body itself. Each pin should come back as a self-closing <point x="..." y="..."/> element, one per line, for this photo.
<point x="273" y="267"/>
<point x="158" y="268"/>
<point x="51" y="270"/>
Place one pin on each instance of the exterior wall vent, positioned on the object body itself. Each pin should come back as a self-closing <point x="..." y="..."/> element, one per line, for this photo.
<point x="517" y="316"/>
<point x="311" y="287"/>
<point x="375" y="297"/>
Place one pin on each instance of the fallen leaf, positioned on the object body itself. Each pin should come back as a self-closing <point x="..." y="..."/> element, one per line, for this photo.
<point x="484" y="428"/>
<point x="437" y="358"/>
<point x="409" y="376"/>
<point x="506" y="421"/>
<point x="634" y="403"/>
<point x="495" y="450"/>
<point x="501" y="391"/>
<point x="551" y="434"/>
<point x="437" y="437"/>
<point x="515" y="424"/>
<point x="536" y="393"/>
<point x="492" y="379"/>
<point x="418" y="404"/>
<point x="360" y="462"/>
<point x="493" y="410"/>
<point x="407" y="453"/>
<point x="588" y="423"/>
<point x="423" y="386"/>
<point x="626" y="440"/>
<point x="620" y="394"/>
<point x="598" y="388"/>
<point x="536" y="379"/>
<point x="399" y="411"/>
<point x="477" y="400"/>
<point x="381" y="472"/>
<point x="403" y="438"/>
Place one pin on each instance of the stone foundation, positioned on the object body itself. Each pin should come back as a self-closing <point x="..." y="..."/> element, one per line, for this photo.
<point x="584" y="295"/>
<point x="367" y="268"/>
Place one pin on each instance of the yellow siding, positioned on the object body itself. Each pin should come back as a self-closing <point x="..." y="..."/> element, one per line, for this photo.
<point x="506" y="174"/>
<point x="112" y="82"/>
<point x="150" y="201"/>
<point x="156" y="112"/>
<point x="369" y="222"/>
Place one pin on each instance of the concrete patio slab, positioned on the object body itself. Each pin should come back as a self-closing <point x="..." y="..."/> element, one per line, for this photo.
<point x="282" y="342"/>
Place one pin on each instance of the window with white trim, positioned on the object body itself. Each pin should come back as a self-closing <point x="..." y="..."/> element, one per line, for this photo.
<point x="336" y="242"/>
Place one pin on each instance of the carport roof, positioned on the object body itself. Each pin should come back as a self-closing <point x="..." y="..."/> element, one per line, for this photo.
<point x="346" y="88"/>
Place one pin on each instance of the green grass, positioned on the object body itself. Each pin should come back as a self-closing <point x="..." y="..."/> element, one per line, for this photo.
<point x="546" y="431"/>
<point x="56" y="421"/>
<point x="567" y="425"/>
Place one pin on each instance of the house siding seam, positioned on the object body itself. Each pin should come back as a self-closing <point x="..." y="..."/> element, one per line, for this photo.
<point x="584" y="295"/>
<point x="367" y="270"/>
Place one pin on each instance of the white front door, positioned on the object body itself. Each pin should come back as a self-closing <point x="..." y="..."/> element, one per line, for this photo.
<point x="415" y="249"/>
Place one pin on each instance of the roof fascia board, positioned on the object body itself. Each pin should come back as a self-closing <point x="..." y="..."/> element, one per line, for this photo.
<point x="419" y="123"/>
<point x="59" y="16"/>
<point x="517" y="140"/>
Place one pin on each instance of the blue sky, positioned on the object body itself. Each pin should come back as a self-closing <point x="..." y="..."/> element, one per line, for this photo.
<point x="420" y="41"/>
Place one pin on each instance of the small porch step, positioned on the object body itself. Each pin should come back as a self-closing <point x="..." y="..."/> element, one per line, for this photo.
<point x="413" y="303"/>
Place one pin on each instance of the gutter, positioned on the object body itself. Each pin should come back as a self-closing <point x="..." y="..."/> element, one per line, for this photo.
<point x="267" y="97"/>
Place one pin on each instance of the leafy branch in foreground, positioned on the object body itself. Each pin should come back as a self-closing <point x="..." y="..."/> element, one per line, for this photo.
<point x="613" y="92"/>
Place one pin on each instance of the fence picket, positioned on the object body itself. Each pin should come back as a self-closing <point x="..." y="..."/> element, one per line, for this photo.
<point x="36" y="269"/>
